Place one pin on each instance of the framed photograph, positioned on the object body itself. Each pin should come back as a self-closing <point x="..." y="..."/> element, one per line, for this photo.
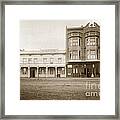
<point x="60" y="59"/>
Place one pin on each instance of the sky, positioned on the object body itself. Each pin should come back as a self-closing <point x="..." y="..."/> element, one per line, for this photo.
<point x="46" y="34"/>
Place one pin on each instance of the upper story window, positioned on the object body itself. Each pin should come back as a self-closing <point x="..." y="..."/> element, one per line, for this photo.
<point x="75" y="54"/>
<point x="59" y="60"/>
<point x="91" y="42"/>
<point x="75" y="42"/>
<point x="51" y="60"/>
<point x="91" y="54"/>
<point x="35" y="60"/>
<point x="29" y="60"/>
<point x="24" y="60"/>
<point x="45" y="60"/>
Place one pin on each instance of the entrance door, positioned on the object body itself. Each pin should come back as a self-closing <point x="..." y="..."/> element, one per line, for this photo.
<point x="76" y="71"/>
<point x="32" y="72"/>
<point x="88" y="72"/>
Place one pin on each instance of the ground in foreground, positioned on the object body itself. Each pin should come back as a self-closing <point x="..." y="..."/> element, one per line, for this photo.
<point x="60" y="89"/>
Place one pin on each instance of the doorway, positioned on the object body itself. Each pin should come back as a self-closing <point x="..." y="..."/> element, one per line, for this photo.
<point x="32" y="72"/>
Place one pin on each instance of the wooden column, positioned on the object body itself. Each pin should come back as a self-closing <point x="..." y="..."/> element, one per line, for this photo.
<point x="37" y="72"/>
<point x="65" y="71"/>
<point x="29" y="72"/>
<point x="56" y="71"/>
<point x="46" y="71"/>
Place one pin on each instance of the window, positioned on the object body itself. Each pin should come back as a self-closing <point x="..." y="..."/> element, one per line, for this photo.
<point x="75" y="43"/>
<point x="24" y="71"/>
<point x="35" y="60"/>
<point x="51" y="71"/>
<point x="91" y="54"/>
<point x="29" y="60"/>
<point x="91" y="42"/>
<point x="75" y="55"/>
<point x="44" y="60"/>
<point x="59" y="60"/>
<point x="42" y="70"/>
<point x="24" y="60"/>
<point x="69" y="71"/>
<point x="75" y="70"/>
<point x="51" y="60"/>
<point x="69" y="66"/>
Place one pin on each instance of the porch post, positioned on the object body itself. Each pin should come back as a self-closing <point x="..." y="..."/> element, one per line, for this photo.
<point x="46" y="71"/>
<point x="29" y="72"/>
<point x="56" y="71"/>
<point x="65" y="71"/>
<point x="37" y="71"/>
<point x="92" y="70"/>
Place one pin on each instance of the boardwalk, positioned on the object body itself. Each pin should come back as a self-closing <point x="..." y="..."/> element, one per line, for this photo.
<point x="60" y="89"/>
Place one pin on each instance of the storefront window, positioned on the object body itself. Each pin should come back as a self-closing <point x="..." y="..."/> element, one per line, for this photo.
<point x="51" y="70"/>
<point x="42" y="70"/>
<point x="24" y="71"/>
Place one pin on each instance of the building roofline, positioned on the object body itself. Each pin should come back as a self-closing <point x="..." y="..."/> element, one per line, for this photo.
<point x="41" y="51"/>
<point x="90" y="25"/>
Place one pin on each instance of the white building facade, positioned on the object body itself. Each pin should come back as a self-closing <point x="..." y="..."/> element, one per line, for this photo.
<point x="42" y="63"/>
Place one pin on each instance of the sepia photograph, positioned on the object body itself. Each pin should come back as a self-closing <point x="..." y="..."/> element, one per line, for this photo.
<point x="59" y="60"/>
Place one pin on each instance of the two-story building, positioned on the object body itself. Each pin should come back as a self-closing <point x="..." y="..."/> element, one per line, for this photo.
<point x="42" y="63"/>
